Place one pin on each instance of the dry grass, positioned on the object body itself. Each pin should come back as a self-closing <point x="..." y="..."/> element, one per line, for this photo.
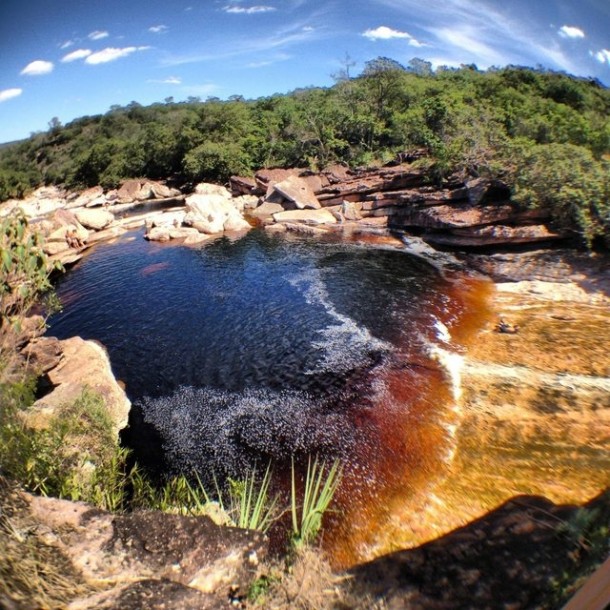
<point x="33" y="572"/>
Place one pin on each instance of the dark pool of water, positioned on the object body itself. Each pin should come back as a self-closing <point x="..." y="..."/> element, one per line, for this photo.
<point x="265" y="347"/>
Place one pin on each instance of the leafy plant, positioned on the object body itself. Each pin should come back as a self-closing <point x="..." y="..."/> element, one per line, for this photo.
<point x="24" y="269"/>
<point x="320" y="486"/>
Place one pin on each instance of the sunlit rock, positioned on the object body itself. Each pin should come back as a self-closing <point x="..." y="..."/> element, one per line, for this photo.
<point x="94" y="219"/>
<point x="310" y="217"/>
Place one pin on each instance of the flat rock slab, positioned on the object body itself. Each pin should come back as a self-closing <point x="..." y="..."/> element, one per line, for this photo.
<point x="309" y="217"/>
<point x="298" y="192"/>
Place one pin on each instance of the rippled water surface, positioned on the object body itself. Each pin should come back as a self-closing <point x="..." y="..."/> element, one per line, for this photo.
<point x="267" y="347"/>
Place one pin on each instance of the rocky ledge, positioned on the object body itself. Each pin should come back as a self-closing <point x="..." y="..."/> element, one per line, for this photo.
<point x="460" y="212"/>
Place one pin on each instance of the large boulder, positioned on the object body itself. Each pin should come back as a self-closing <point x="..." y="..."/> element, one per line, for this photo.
<point x="144" y="559"/>
<point x="94" y="219"/>
<point x="296" y="191"/>
<point x="89" y="198"/>
<point x="84" y="364"/>
<point x="129" y="191"/>
<point x="211" y="210"/>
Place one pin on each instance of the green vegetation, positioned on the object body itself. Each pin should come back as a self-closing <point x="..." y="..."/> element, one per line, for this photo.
<point x="320" y="487"/>
<point x="24" y="270"/>
<point x="513" y="123"/>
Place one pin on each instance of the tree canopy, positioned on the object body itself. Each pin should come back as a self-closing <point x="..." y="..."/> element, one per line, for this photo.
<point x="509" y="123"/>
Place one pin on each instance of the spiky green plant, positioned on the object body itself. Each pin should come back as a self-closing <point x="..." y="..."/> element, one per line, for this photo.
<point x="321" y="483"/>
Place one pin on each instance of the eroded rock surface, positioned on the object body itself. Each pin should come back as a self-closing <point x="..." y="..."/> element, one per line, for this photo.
<point x="144" y="559"/>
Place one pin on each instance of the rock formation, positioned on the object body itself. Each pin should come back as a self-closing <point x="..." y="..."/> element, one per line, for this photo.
<point x="460" y="212"/>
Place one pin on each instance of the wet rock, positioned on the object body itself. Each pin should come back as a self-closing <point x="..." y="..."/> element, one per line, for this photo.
<point x="508" y="558"/>
<point x="494" y="235"/>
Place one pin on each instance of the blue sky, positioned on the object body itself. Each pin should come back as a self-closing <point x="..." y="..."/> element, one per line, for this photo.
<point x="69" y="58"/>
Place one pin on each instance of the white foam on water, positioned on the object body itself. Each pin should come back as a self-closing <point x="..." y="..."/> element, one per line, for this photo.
<point x="226" y="433"/>
<point x="452" y="365"/>
<point x="344" y="344"/>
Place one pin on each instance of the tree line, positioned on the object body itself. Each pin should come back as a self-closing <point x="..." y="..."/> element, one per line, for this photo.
<point x="547" y="134"/>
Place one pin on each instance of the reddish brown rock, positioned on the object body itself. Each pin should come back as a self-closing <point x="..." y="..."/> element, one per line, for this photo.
<point x="296" y="191"/>
<point x="493" y="235"/>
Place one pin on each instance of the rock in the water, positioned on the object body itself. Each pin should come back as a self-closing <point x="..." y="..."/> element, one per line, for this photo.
<point x="310" y="217"/>
<point x="213" y="213"/>
<point x="94" y="219"/>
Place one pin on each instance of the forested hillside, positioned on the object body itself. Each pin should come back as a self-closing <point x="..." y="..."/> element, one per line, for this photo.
<point x="546" y="134"/>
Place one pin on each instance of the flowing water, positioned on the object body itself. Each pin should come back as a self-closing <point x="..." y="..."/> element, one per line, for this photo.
<point x="265" y="348"/>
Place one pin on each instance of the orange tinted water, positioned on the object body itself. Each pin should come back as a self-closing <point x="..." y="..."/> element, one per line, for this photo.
<point x="411" y="414"/>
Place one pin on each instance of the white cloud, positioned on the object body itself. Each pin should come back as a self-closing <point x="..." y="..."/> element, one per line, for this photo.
<point x="111" y="54"/>
<point x="248" y="11"/>
<point x="67" y="44"/>
<point x="35" y="68"/>
<point x="74" y="55"/>
<point x="603" y="56"/>
<point x="170" y="80"/>
<point x="158" y="29"/>
<point x="384" y="33"/>
<point x="7" y="94"/>
<point x="98" y="35"/>
<point x="570" y="31"/>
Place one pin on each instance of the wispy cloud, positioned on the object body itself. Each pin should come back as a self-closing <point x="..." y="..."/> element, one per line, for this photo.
<point x="201" y="90"/>
<point x="270" y="61"/>
<point x="7" y="94"/>
<point x="570" y="31"/>
<point x="38" y="67"/>
<point x="287" y="36"/>
<point x="158" y="29"/>
<point x="170" y="80"/>
<point x="66" y="45"/>
<point x="111" y="54"/>
<point x="603" y="56"/>
<point x="251" y="10"/>
<point x="480" y="31"/>
<point x="74" y="55"/>
<point x="98" y="35"/>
